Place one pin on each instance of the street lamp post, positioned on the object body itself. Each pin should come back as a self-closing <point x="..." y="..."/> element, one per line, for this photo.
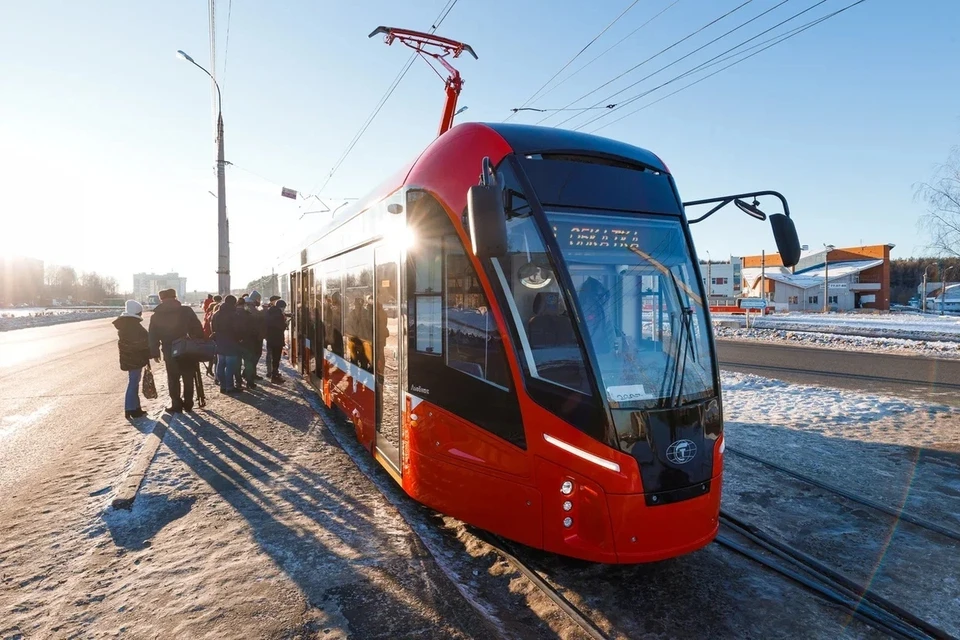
<point x="709" y="279"/>
<point x="826" y="276"/>
<point x="943" y="287"/>
<point x="223" y="233"/>
<point x="923" y="298"/>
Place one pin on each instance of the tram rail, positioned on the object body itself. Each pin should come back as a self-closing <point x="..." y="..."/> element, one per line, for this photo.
<point x="894" y="513"/>
<point x="860" y="601"/>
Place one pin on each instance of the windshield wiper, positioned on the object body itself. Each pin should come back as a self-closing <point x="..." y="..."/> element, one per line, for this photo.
<point x="686" y="315"/>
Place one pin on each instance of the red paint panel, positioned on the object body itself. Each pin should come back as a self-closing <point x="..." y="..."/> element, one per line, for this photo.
<point x="648" y="534"/>
<point x="501" y="506"/>
<point x="590" y="536"/>
<point x="439" y="433"/>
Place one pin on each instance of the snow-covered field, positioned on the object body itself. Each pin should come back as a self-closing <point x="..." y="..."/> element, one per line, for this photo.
<point x="903" y="346"/>
<point x="891" y="325"/>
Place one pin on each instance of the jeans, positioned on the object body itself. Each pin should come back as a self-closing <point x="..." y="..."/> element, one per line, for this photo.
<point x="175" y="372"/>
<point x="249" y="366"/>
<point x="227" y="371"/>
<point x="131" y="401"/>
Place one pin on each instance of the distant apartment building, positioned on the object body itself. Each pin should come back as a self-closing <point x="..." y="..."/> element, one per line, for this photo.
<point x="145" y="284"/>
<point x="722" y="279"/>
<point x="856" y="278"/>
<point x="21" y="280"/>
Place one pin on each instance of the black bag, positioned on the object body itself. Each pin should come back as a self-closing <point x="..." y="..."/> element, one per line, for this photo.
<point x="149" y="388"/>
<point x="201" y="350"/>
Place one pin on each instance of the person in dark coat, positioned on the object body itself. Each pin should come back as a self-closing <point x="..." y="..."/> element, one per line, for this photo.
<point x="134" y="354"/>
<point x="226" y="333"/>
<point x="250" y="340"/>
<point x="171" y="320"/>
<point x="276" y="326"/>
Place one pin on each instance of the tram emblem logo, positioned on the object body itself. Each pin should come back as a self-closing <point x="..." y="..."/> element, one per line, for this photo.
<point x="681" y="451"/>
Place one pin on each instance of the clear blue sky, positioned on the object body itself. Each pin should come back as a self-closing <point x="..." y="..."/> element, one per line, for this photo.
<point x="107" y="138"/>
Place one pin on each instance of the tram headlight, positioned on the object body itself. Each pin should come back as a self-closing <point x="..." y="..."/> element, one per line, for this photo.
<point x="568" y="522"/>
<point x="567" y="505"/>
<point x="567" y="487"/>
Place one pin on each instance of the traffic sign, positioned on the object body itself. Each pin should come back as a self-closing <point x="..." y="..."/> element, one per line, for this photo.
<point x="753" y="303"/>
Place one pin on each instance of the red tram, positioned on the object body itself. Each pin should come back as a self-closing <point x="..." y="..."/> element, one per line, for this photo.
<point x="530" y="354"/>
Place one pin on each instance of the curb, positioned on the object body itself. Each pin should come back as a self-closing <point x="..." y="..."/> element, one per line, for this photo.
<point x="130" y="485"/>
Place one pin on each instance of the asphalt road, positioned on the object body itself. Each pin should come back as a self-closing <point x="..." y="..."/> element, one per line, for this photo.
<point x="916" y="377"/>
<point x="57" y="384"/>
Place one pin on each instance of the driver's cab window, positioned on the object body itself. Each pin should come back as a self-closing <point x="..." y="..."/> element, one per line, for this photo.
<point x="547" y="337"/>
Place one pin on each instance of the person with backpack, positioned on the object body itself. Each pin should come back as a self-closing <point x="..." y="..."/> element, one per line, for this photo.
<point x="134" y="354"/>
<point x="171" y="321"/>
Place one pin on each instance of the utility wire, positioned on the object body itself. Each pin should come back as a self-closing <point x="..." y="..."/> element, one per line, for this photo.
<point x="447" y="7"/>
<point x="659" y="53"/>
<point x="773" y="42"/>
<point x="610" y="48"/>
<point x="684" y="57"/>
<point x="698" y="67"/>
<point x="570" y="61"/>
<point x="226" y="48"/>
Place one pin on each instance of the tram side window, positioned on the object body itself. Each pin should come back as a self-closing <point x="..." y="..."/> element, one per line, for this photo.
<point x="474" y="345"/>
<point x="358" y="316"/>
<point x="428" y="296"/>
<point x="332" y="313"/>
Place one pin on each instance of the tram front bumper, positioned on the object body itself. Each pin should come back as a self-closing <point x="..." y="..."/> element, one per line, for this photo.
<point x="643" y="533"/>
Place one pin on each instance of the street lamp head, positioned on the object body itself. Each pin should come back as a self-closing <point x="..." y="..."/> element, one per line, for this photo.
<point x="829" y="247"/>
<point x="460" y="110"/>
<point x="184" y="56"/>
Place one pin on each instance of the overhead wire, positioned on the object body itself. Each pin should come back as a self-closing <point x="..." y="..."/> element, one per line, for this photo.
<point x="447" y="7"/>
<point x="610" y="48"/>
<point x="684" y="57"/>
<point x="226" y="48"/>
<point x="698" y="67"/>
<point x="772" y="43"/>
<point x="571" y="60"/>
<point x="656" y="55"/>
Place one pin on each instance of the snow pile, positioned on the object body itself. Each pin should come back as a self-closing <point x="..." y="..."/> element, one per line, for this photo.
<point x="905" y="346"/>
<point x="9" y="323"/>
<point x="915" y="327"/>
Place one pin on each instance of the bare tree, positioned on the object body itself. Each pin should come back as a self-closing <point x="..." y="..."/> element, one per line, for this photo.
<point x="942" y="196"/>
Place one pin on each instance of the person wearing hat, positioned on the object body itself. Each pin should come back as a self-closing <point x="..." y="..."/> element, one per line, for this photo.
<point x="171" y="321"/>
<point x="276" y="326"/>
<point x="134" y="354"/>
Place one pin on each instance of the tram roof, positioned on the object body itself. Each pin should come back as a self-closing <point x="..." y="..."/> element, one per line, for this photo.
<point x="530" y="139"/>
<point x="524" y="139"/>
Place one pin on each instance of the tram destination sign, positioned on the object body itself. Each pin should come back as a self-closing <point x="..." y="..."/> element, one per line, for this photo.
<point x="597" y="236"/>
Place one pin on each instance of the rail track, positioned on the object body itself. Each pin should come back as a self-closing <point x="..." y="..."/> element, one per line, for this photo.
<point x="894" y="513"/>
<point x="858" y="600"/>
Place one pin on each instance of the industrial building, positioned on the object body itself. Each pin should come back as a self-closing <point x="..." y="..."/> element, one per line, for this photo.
<point x="722" y="279"/>
<point x="839" y="279"/>
<point x="145" y="284"/>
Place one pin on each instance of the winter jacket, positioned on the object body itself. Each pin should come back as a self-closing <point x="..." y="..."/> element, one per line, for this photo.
<point x="248" y="328"/>
<point x="276" y="322"/>
<point x="133" y="344"/>
<point x="226" y="330"/>
<point x="170" y="321"/>
<point x="259" y="319"/>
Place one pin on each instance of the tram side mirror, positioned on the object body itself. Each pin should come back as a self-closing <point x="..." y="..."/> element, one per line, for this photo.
<point x="785" y="233"/>
<point x="487" y="220"/>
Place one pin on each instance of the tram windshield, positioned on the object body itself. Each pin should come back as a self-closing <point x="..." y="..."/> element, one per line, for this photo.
<point x="640" y="300"/>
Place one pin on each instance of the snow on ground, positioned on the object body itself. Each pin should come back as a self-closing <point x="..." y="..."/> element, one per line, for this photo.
<point x="902" y="346"/>
<point x="888" y="325"/>
<point x="252" y="522"/>
<point x="10" y="323"/>
<point x="899" y="452"/>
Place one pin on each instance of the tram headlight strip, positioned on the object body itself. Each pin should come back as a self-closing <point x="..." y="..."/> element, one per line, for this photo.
<point x="580" y="453"/>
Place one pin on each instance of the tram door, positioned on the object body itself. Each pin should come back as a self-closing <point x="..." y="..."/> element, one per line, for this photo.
<point x="294" y="318"/>
<point x="305" y="308"/>
<point x="387" y="344"/>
